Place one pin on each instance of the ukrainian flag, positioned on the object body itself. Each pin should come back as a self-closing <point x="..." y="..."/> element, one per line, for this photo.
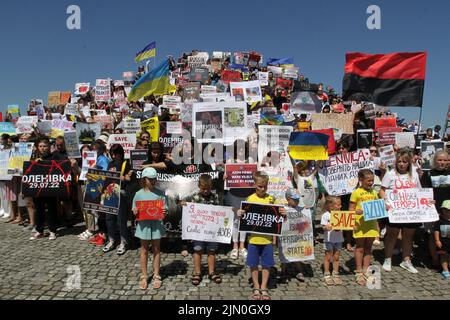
<point x="283" y="61"/>
<point x="308" y="146"/>
<point x="155" y="82"/>
<point x="148" y="52"/>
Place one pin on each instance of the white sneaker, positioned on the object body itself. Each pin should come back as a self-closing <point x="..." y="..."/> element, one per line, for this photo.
<point x="52" y="236"/>
<point x="387" y="265"/>
<point x="2" y="212"/>
<point x="6" y="215"/>
<point x="234" y="254"/>
<point x="407" y="265"/>
<point x="382" y="233"/>
<point x="243" y="253"/>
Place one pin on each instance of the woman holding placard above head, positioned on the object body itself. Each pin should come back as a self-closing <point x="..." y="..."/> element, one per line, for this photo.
<point x="403" y="176"/>
<point x="437" y="178"/>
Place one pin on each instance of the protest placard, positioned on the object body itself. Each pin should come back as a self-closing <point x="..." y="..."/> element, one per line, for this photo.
<point x="47" y="179"/>
<point x="65" y="97"/>
<point x="364" y="138"/>
<point x="339" y="174"/>
<point x="208" y="122"/>
<point x="386" y="135"/>
<point x="128" y="76"/>
<point x="297" y="240"/>
<point x="119" y="99"/>
<point x="45" y="127"/>
<point x="304" y="101"/>
<point x="387" y="155"/>
<point x="208" y="89"/>
<point x="105" y="121"/>
<point x="4" y="165"/>
<point x="369" y="111"/>
<point x="137" y="158"/>
<point x="88" y="132"/>
<point x="240" y="175"/>
<point x="343" y="122"/>
<point x="102" y="90"/>
<point x="250" y="91"/>
<point x="201" y="222"/>
<point x="263" y="78"/>
<point x="102" y="191"/>
<point x="53" y="98"/>
<point x="190" y="91"/>
<point x="152" y="127"/>
<point x="231" y="76"/>
<point x="150" y="210"/>
<point x="13" y="112"/>
<point x="429" y="149"/>
<point x="261" y="219"/>
<point x="127" y="141"/>
<point x="132" y="126"/>
<point x="405" y="140"/>
<point x="7" y="128"/>
<point x="411" y="206"/>
<point x="172" y="101"/>
<point x="342" y="220"/>
<point x="82" y="88"/>
<point x="199" y="74"/>
<point x="197" y="61"/>
<point x="72" y="147"/>
<point x="25" y="124"/>
<point x="374" y="210"/>
<point x="20" y="153"/>
<point x="276" y="71"/>
<point x="89" y="161"/>
<point x="290" y="72"/>
<point x="168" y="140"/>
<point x="71" y="109"/>
<point x="385" y="123"/>
<point x="59" y="126"/>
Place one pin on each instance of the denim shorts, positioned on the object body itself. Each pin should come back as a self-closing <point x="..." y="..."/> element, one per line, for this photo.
<point x="330" y="246"/>
<point x="258" y="253"/>
<point x="201" y="245"/>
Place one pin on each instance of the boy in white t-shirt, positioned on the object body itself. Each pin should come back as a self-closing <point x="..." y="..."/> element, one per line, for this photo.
<point x="333" y="240"/>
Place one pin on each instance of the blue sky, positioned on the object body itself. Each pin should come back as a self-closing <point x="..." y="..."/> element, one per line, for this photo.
<point x="39" y="54"/>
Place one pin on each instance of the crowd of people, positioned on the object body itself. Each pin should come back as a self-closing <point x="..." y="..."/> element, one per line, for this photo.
<point x="120" y="232"/>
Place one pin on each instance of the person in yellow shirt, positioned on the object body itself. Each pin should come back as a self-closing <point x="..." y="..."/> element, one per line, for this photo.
<point x="260" y="247"/>
<point x="365" y="232"/>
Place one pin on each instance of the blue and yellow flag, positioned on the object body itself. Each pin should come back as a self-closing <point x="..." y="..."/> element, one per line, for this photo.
<point x="283" y="61"/>
<point x="308" y="146"/>
<point x="155" y="82"/>
<point x="148" y="52"/>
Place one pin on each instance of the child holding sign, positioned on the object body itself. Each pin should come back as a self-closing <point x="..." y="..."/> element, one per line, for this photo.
<point x="333" y="240"/>
<point x="150" y="230"/>
<point x="365" y="232"/>
<point x="260" y="248"/>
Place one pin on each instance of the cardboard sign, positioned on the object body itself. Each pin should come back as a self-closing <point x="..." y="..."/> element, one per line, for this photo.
<point x="364" y="138"/>
<point x="203" y="222"/>
<point x="405" y="140"/>
<point x="88" y="132"/>
<point x="199" y="75"/>
<point x="71" y="109"/>
<point x="343" y="220"/>
<point x="20" y="153"/>
<point x="191" y="91"/>
<point x="152" y="127"/>
<point x="297" y="240"/>
<point x="240" y="175"/>
<point x="411" y="206"/>
<point x="102" y="191"/>
<point x="261" y="219"/>
<point x="374" y="210"/>
<point x="65" y="97"/>
<point x="137" y="158"/>
<point x="25" y="124"/>
<point x="197" y="61"/>
<point x="263" y="78"/>
<point x="54" y="98"/>
<point x="127" y="141"/>
<point x="82" y="88"/>
<point x="249" y="92"/>
<point x="7" y="128"/>
<point x="385" y="123"/>
<point x="339" y="174"/>
<point x="132" y="126"/>
<point x="343" y="122"/>
<point x="104" y="121"/>
<point x="89" y="162"/>
<point x="429" y="149"/>
<point x="102" y="90"/>
<point x="47" y="179"/>
<point x="150" y="210"/>
<point x="386" y="135"/>
<point x="387" y="155"/>
<point x="71" y="142"/>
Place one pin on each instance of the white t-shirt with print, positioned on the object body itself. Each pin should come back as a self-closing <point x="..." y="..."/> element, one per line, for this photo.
<point x="393" y="180"/>
<point x="333" y="236"/>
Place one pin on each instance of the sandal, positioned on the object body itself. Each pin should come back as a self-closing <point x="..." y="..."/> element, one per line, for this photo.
<point x="196" y="279"/>
<point x="337" y="279"/>
<point x="360" y="278"/>
<point x="143" y="283"/>
<point x="300" y="277"/>
<point x="256" y="295"/>
<point x="265" y="295"/>
<point x="328" y="280"/>
<point x="215" y="277"/>
<point x="157" y="282"/>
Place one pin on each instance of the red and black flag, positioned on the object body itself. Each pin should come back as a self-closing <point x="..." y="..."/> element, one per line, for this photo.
<point x="395" y="79"/>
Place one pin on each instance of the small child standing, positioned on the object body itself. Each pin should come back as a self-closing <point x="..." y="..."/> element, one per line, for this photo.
<point x="150" y="231"/>
<point x="442" y="237"/>
<point x="333" y="240"/>
<point x="260" y="247"/>
<point x="204" y="196"/>
<point x="365" y="232"/>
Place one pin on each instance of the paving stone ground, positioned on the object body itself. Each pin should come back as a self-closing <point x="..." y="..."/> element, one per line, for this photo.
<point x="38" y="270"/>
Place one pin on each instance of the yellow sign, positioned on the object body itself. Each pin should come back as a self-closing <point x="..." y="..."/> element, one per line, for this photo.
<point x="152" y="127"/>
<point x="343" y="220"/>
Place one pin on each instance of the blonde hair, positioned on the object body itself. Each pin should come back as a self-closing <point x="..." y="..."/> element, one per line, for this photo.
<point x="330" y="200"/>
<point x="261" y="175"/>
<point x="408" y="156"/>
<point x="436" y="155"/>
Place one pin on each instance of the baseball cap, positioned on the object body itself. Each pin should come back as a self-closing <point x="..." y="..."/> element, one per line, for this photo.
<point x="149" y="173"/>
<point x="446" y="205"/>
<point x="293" y="194"/>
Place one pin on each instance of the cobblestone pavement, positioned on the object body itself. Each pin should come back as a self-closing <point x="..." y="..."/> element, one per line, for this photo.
<point x="38" y="270"/>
